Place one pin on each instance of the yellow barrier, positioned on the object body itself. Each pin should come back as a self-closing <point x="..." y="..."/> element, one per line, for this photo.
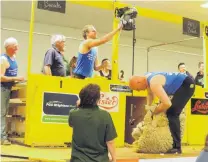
<point x="197" y="125"/>
<point x="40" y="133"/>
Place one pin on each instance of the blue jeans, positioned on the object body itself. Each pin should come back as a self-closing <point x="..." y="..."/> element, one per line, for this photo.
<point x="5" y="96"/>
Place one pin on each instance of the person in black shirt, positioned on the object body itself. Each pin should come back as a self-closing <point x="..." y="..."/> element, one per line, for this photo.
<point x="93" y="129"/>
<point x="106" y="72"/>
<point x="182" y="69"/>
<point x="199" y="79"/>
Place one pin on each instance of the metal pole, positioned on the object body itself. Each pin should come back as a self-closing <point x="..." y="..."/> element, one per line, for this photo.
<point x="122" y="45"/>
<point x="31" y="38"/>
<point x="73" y="38"/>
<point x="148" y="49"/>
<point x="185" y="53"/>
<point x="45" y="34"/>
<point x="134" y="42"/>
<point x="162" y="44"/>
<point x="183" y="40"/>
<point x="115" y="46"/>
<point x="32" y="16"/>
<point x="205" y="53"/>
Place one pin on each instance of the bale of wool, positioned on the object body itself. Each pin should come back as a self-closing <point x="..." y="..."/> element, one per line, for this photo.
<point x="152" y="135"/>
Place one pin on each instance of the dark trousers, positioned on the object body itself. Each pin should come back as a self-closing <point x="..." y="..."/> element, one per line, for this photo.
<point x="179" y="100"/>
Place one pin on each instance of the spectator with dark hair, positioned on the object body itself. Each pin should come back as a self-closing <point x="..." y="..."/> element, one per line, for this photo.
<point x="72" y="65"/>
<point x="69" y="66"/>
<point x="106" y="70"/>
<point x="93" y="129"/>
<point x="199" y="79"/>
<point x="182" y="69"/>
<point x="203" y="157"/>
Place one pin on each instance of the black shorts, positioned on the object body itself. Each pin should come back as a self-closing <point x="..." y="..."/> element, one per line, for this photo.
<point x="182" y="96"/>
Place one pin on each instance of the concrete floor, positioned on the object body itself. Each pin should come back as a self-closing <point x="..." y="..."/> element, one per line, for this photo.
<point x="61" y="154"/>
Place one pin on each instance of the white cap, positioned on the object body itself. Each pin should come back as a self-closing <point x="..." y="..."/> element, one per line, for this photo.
<point x="57" y="38"/>
<point x="10" y="41"/>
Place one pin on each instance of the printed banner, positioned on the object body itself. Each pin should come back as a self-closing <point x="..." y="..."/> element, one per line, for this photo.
<point x="54" y="6"/>
<point x="109" y="101"/>
<point x="191" y="27"/>
<point x="56" y="106"/>
<point x="120" y="88"/>
<point x="199" y="106"/>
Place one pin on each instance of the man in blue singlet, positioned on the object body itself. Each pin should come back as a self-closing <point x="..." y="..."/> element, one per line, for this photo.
<point x="87" y="60"/>
<point x="163" y="85"/>
<point x="8" y="70"/>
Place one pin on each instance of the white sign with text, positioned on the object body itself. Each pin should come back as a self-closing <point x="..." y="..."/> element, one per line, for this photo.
<point x="109" y="101"/>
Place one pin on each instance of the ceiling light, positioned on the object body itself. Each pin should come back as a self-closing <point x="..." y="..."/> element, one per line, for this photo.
<point x="205" y="5"/>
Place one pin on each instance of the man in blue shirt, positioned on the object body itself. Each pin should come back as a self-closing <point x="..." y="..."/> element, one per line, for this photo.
<point x="163" y="85"/>
<point x="87" y="56"/>
<point x="9" y="71"/>
<point x="53" y="61"/>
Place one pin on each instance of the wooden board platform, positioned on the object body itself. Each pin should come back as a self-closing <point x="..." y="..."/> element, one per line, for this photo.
<point x="61" y="154"/>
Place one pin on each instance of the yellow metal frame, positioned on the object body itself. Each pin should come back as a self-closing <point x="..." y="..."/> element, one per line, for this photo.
<point x="28" y="103"/>
<point x="196" y="127"/>
<point x="115" y="48"/>
<point x="38" y="133"/>
<point x="109" y="5"/>
<point x="205" y="52"/>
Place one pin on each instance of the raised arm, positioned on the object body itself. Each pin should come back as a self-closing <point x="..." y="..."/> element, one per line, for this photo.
<point x="96" y="42"/>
